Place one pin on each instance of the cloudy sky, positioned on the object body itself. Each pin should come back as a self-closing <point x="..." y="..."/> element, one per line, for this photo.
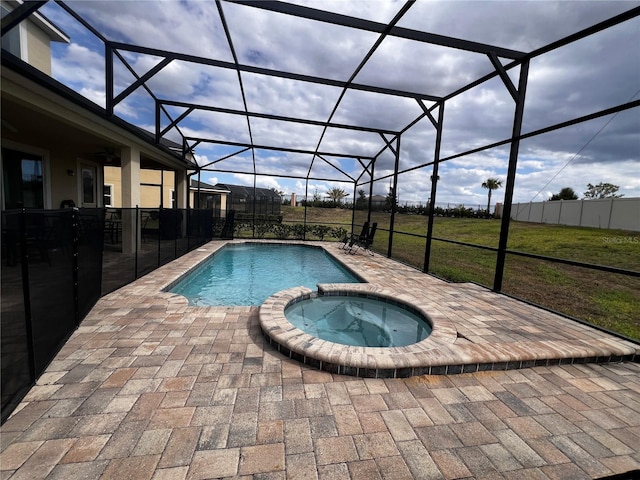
<point x="593" y="74"/>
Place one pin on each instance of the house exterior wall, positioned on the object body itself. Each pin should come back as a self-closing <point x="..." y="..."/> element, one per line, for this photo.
<point x="60" y="168"/>
<point x="113" y="178"/>
<point x="39" y="50"/>
<point x="149" y="187"/>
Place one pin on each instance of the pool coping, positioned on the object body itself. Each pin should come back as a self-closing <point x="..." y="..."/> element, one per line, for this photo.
<point x="518" y="335"/>
<point x="435" y="355"/>
<point x="347" y="359"/>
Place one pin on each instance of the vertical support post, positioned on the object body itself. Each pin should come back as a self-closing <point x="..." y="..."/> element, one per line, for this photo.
<point x="373" y="167"/>
<point x="74" y="265"/>
<point x="197" y="202"/>
<point x="394" y="197"/>
<point x="187" y="176"/>
<point x="434" y="186"/>
<point x="353" y="206"/>
<point x="610" y="212"/>
<point x="161" y="228"/>
<point x="174" y="231"/>
<point x="130" y="195"/>
<point x="581" y="211"/>
<point x="26" y="295"/>
<point x="353" y="217"/>
<point x="306" y="200"/>
<point x="511" y="177"/>
<point x="253" y="231"/>
<point x="135" y="256"/>
<point x="157" y="135"/>
<point x="108" y="73"/>
<point x="161" y="187"/>
<point x="181" y="188"/>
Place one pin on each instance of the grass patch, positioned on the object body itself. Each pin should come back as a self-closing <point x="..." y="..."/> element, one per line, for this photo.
<point x="553" y="275"/>
<point x="609" y="300"/>
<point x="622" y="308"/>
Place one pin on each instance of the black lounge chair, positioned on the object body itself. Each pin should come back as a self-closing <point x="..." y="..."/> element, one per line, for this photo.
<point x="349" y="240"/>
<point x="366" y="242"/>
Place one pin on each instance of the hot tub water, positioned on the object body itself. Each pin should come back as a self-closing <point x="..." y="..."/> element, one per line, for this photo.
<point x="358" y="321"/>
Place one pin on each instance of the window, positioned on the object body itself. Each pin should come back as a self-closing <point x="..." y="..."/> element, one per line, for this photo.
<point x="107" y="192"/>
<point x="23" y="179"/>
<point x="173" y="198"/>
<point x="11" y="41"/>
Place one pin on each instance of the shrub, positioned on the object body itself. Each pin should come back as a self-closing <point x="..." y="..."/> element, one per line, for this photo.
<point x="298" y="230"/>
<point x="339" y="232"/>
<point x="281" y="230"/>
<point x="320" y="231"/>
<point x="262" y="229"/>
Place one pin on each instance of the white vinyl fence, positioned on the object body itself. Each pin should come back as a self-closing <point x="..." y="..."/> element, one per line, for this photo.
<point x="613" y="213"/>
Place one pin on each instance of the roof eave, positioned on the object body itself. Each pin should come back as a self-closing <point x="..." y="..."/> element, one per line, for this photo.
<point x="13" y="63"/>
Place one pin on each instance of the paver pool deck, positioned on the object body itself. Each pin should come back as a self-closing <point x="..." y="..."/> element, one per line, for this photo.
<point x="151" y="388"/>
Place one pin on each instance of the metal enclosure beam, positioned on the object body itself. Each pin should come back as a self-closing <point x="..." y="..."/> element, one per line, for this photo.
<point x="511" y="177"/>
<point x="373" y="168"/>
<point x="20" y="13"/>
<point x="377" y="27"/>
<point x="108" y="74"/>
<point x="434" y="186"/>
<point x="394" y="194"/>
<point x="268" y="116"/>
<point x="269" y="71"/>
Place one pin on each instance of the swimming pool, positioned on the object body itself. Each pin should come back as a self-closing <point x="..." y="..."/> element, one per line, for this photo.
<point x="247" y="274"/>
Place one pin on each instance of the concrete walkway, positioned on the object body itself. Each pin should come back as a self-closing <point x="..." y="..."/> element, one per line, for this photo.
<point x="150" y="388"/>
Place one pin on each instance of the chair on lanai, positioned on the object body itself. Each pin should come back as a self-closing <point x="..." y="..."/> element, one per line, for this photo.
<point x="349" y="239"/>
<point x="366" y="242"/>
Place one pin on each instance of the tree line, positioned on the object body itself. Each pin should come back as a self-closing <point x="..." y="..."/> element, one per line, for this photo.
<point x="601" y="190"/>
<point x="336" y="195"/>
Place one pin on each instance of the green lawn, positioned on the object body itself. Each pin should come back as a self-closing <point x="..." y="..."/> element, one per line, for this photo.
<point x="604" y="299"/>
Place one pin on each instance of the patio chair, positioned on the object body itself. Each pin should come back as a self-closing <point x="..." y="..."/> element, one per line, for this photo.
<point x="350" y="239"/>
<point x="113" y="226"/>
<point x="365" y="243"/>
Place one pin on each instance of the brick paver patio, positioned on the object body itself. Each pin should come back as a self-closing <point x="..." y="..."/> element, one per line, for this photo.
<point x="150" y="388"/>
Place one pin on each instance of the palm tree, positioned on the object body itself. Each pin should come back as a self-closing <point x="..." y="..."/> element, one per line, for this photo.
<point x="361" y="201"/>
<point x="491" y="184"/>
<point x="336" y="194"/>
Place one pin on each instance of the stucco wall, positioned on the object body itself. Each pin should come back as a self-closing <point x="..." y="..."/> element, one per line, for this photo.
<point x="39" y="50"/>
<point x="149" y="189"/>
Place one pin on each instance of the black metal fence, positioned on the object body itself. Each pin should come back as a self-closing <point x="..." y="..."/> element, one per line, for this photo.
<point x="160" y="236"/>
<point x="51" y="276"/>
<point x="57" y="263"/>
<point x="258" y="204"/>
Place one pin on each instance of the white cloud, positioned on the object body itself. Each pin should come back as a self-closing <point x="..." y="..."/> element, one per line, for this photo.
<point x="83" y="69"/>
<point x="593" y="74"/>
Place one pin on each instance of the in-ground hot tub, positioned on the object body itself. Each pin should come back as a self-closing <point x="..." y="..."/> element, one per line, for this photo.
<point x="343" y="351"/>
<point x="359" y="319"/>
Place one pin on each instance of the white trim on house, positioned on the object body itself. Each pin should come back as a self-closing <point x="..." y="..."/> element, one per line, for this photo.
<point x="111" y="193"/>
<point x="99" y="179"/>
<point x="41" y="22"/>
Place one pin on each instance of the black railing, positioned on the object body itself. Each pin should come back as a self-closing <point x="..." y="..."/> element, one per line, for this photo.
<point x="51" y="276"/>
<point x="156" y="236"/>
<point x="57" y="263"/>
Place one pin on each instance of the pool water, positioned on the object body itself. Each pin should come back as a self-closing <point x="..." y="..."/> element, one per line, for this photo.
<point x="247" y="274"/>
<point x="358" y="321"/>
